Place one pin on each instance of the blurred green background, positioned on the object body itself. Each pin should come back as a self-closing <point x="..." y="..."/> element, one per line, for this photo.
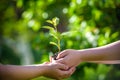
<point x="92" y="23"/>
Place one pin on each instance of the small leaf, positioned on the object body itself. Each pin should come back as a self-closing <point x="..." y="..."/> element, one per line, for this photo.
<point x="65" y="33"/>
<point x="54" y="36"/>
<point x="49" y="21"/>
<point x="53" y="43"/>
<point x="48" y="27"/>
<point x="55" y="21"/>
<point x="68" y="33"/>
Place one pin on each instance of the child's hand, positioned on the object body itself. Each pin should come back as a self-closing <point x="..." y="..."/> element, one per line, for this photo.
<point x="57" y="70"/>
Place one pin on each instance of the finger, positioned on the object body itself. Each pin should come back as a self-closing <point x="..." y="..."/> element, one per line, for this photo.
<point x="65" y="74"/>
<point x="50" y="58"/>
<point x="61" y="60"/>
<point x="63" y="66"/>
<point x="62" y="54"/>
<point x="68" y="73"/>
<point x="72" y="70"/>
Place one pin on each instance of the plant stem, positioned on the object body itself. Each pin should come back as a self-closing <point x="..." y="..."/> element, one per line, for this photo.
<point x="59" y="45"/>
<point x="55" y="28"/>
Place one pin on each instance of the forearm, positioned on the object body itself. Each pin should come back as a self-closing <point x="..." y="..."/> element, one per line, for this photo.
<point x="106" y="62"/>
<point x="105" y="53"/>
<point x="10" y="72"/>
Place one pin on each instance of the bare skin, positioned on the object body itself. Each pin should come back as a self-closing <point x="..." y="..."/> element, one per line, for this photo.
<point x="108" y="54"/>
<point x="53" y="70"/>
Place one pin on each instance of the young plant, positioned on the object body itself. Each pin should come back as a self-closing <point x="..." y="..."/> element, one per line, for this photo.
<point x="54" y="33"/>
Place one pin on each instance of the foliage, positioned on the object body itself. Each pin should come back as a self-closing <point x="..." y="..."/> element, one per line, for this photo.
<point x="54" y="33"/>
<point x="87" y="24"/>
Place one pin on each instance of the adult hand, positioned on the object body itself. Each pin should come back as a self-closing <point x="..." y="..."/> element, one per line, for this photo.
<point x="69" y="57"/>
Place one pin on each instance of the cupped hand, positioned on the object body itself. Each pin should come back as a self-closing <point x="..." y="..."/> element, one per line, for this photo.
<point x="58" y="71"/>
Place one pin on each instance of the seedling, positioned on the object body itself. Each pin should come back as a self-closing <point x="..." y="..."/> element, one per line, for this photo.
<point x="54" y="33"/>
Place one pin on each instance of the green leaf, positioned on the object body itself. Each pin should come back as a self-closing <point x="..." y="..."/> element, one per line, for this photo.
<point x="49" y="21"/>
<point x="65" y="33"/>
<point x="53" y="43"/>
<point x="48" y="27"/>
<point x="68" y="33"/>
<point x="54" y="36"/>
<point x="55" y="21"/>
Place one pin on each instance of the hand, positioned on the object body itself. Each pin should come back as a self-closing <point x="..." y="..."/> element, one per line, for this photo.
<point x="69" y="57"/>
<point x="57" y="71"/>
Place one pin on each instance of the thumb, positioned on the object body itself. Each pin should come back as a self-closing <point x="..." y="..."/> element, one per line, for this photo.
<point x="51" y="59"/>
<point x="62" y="54"/>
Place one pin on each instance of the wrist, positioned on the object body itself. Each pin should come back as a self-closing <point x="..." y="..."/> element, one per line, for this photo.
<point x="84" y="55"/>
<point x="39" y="70"/>
<point x="43" y="69"/>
